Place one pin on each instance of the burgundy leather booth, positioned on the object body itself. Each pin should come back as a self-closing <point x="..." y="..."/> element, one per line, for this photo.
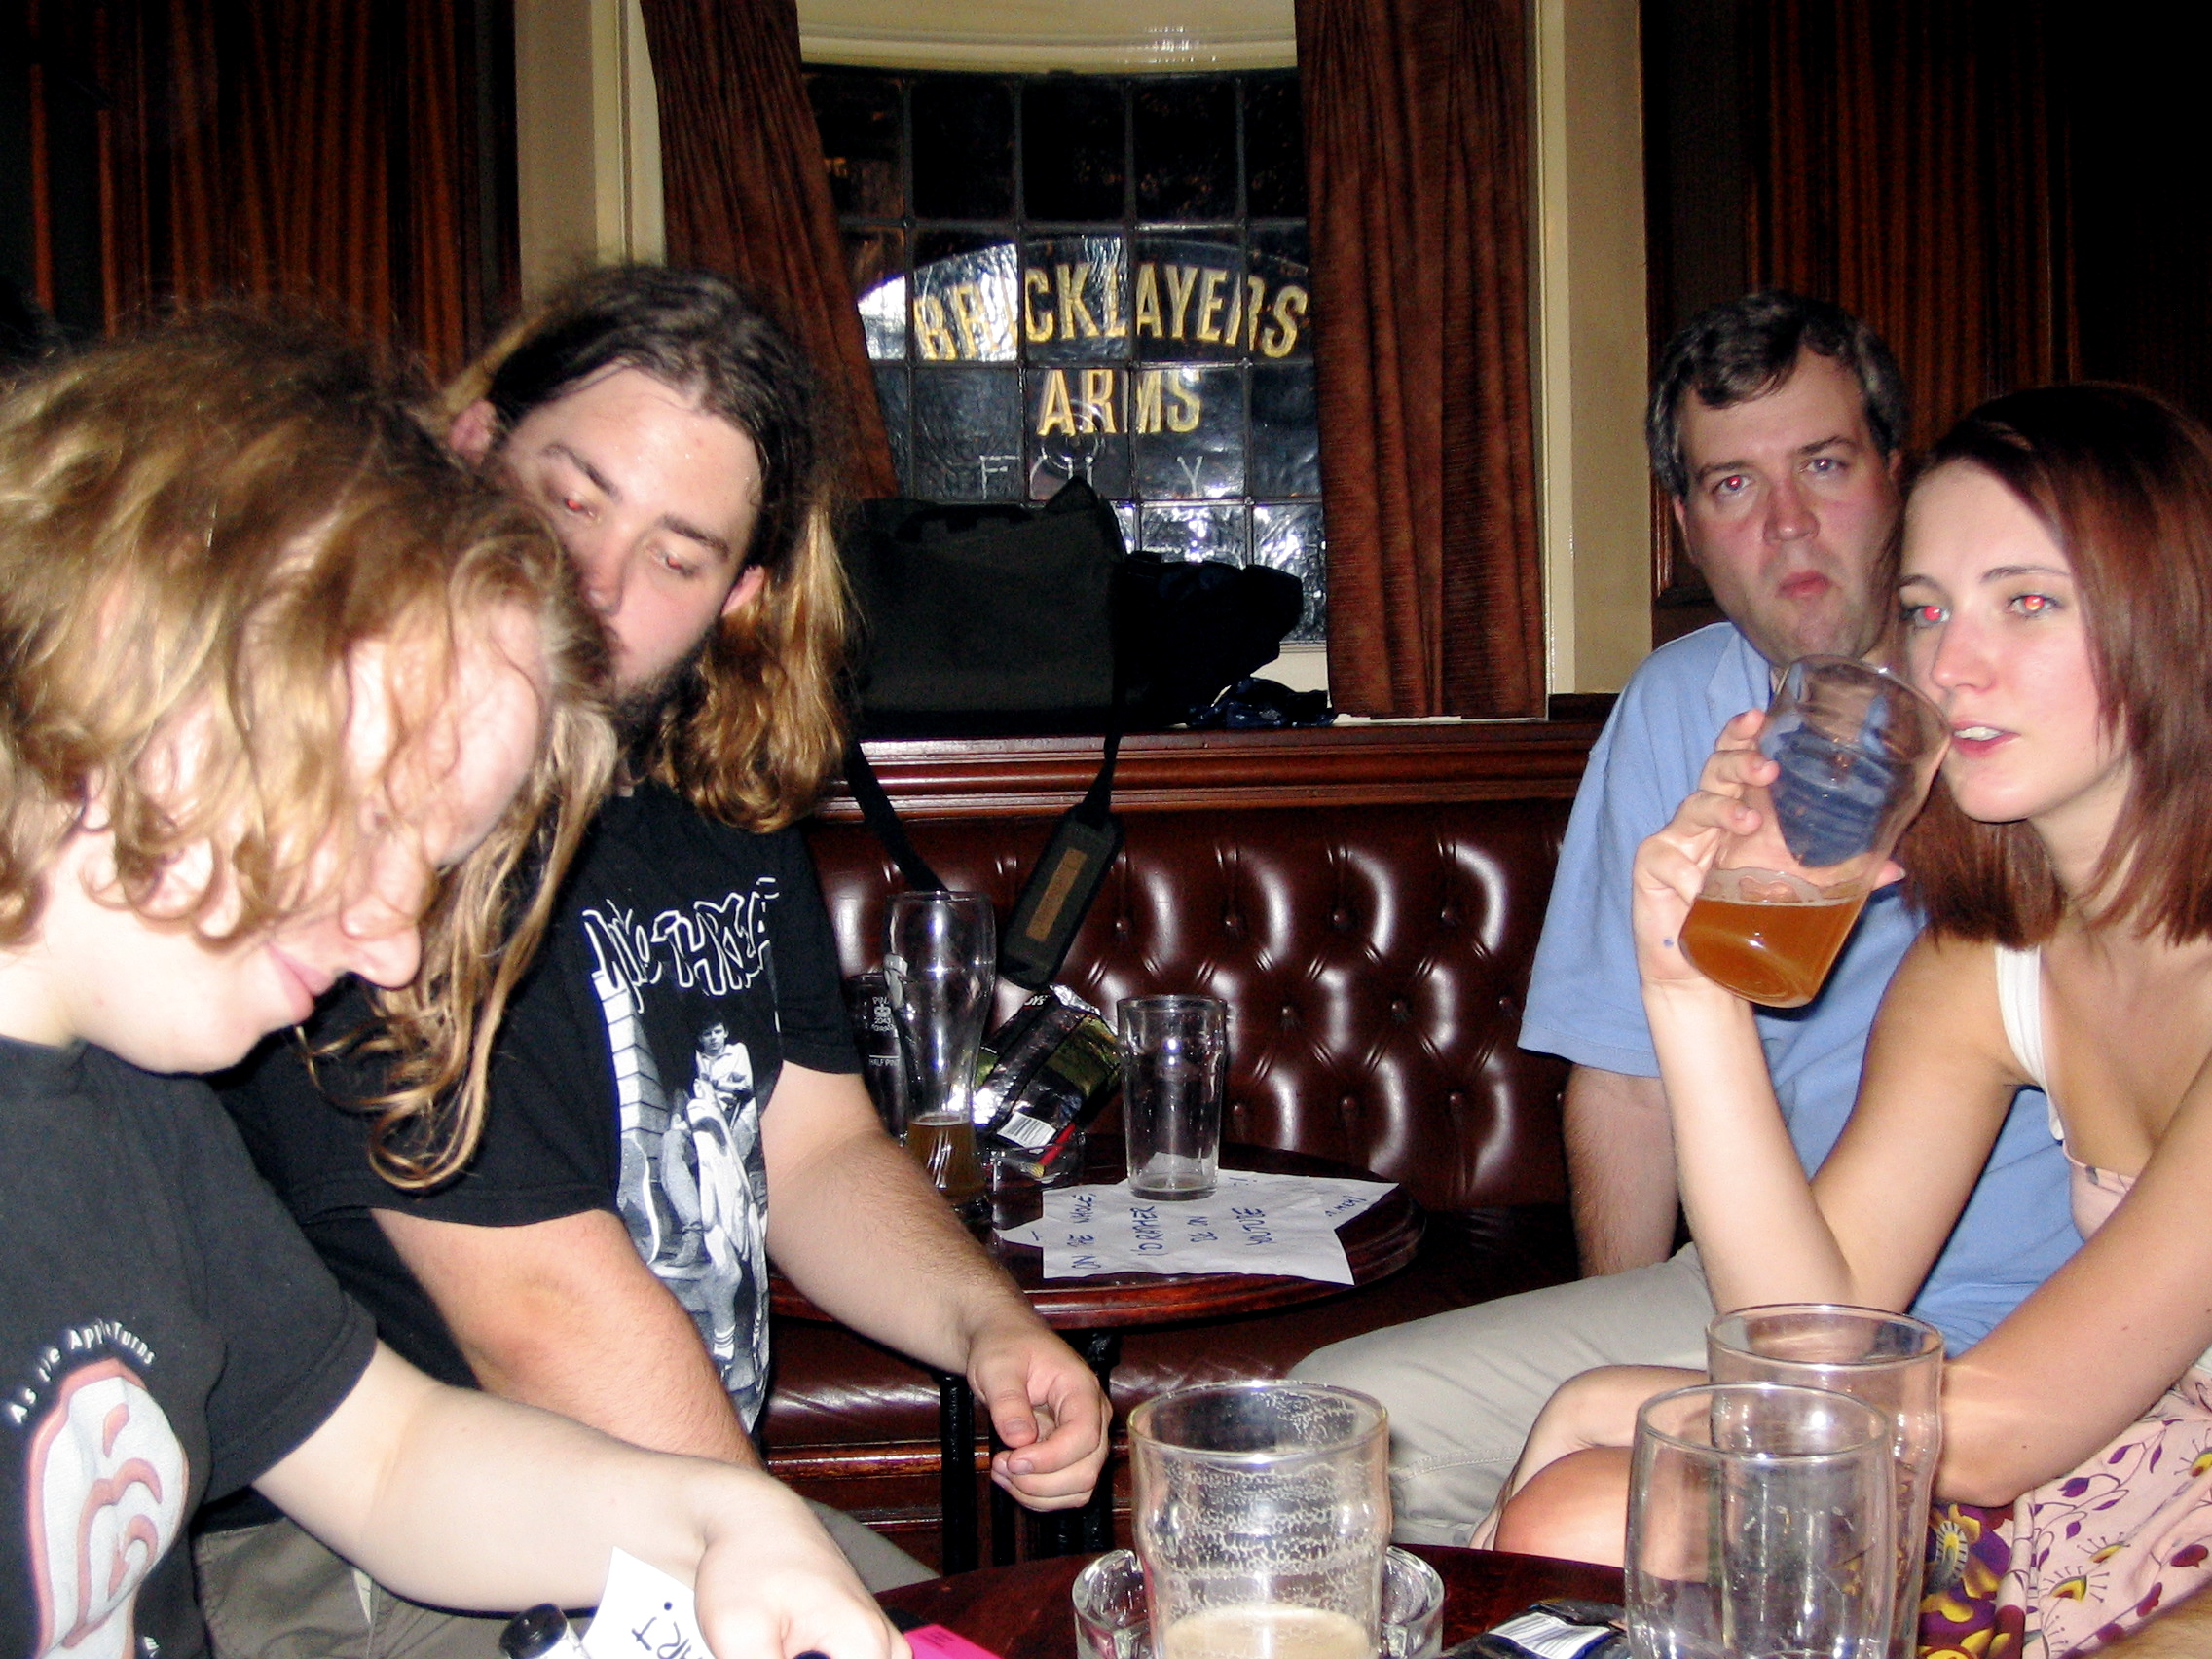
<point x="1367" y="903"/>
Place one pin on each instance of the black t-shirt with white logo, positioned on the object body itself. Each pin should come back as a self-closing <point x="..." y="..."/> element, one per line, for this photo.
<point x="687" y="963"/>
<point x="166" y="1335"/>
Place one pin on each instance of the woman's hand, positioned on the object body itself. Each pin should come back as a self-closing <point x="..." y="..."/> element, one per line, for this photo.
<point x="1670" y="866"/>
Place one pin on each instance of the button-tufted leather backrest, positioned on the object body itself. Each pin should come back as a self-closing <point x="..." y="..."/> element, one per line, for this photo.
<point x="1373" y="958"/>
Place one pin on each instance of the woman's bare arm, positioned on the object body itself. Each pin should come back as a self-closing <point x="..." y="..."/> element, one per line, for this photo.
<point x="1897" y="1182"/>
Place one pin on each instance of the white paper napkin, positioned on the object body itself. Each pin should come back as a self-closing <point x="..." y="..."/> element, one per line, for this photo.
<point x="643" y="1615"/>
<point x="1252" y="1224"/>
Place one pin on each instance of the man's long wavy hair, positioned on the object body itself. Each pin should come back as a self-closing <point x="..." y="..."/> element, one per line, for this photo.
<point x="754" y="728"/>
<point x="201" y="531"/>
<point x="2122" y="482"/>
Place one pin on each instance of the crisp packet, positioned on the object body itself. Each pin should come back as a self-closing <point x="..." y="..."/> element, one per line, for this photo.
<point x="1053" y="1066"/>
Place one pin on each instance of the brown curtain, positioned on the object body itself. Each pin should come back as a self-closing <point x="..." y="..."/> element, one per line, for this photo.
<point x="747" y="193"/>
<point x="322" y="152"/>
<point x="1416" y="172"/>
<point x="1908" y="164"/>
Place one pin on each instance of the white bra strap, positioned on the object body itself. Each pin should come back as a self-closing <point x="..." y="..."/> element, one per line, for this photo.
<point x="2019" y="1001"/>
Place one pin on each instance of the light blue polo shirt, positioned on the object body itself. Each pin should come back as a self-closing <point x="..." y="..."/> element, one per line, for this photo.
<point x="1584" y="1001"/>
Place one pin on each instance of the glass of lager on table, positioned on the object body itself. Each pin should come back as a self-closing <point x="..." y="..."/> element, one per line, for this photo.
<point x="939" y="966"/>
<point x="1262" y="1511"/>
<point x="1858" y="749"/>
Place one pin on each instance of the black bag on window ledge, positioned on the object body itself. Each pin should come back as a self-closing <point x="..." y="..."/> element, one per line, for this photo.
<point x="995" y="620"/>
<point x="978" y="622"/>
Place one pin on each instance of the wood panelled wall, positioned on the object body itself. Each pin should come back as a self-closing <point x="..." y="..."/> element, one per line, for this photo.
<point x="351" y="155"/>
<point x="2008" y="189"/>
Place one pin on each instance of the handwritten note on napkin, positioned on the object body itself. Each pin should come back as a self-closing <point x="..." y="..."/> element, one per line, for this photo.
<point x="1252" y="1224"/>
<point x="644" y="1614"/>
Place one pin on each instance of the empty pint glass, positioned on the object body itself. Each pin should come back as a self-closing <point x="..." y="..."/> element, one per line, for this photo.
<point x="1761" y="1525"/>
<point x="1858" y="749"/>
<point x="1261" y="1514"/>
<point x="1892" y="1361"/>
<point x="1174" y="1070"/>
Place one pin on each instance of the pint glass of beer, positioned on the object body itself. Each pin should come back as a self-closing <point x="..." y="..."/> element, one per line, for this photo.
<point x="939" y="957"/>
<point x="1858" y="749"/>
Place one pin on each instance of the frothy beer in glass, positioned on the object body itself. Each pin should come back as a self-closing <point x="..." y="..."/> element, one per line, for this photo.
<point x="1261" y="1512"/>
<point x="1857" y="750"/>
<point x="1265" y="1631"/>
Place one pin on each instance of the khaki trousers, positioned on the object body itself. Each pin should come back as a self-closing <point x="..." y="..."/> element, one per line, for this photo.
<point x="1463" y="1388"/>
<point x="273" y="1592"/>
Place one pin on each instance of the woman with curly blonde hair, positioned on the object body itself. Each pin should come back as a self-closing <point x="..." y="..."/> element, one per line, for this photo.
<point x="286" y="696"/>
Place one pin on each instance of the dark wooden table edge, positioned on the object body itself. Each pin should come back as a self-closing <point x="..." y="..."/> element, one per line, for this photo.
<point x="1024" y="1611"/>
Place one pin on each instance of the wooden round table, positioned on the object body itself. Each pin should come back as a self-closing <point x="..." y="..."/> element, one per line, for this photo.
<point x="1092" y="1313"/>
<point x="1023" y="1613"/>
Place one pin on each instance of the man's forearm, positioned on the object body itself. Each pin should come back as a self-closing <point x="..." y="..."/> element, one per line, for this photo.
<point x="564" y="1316"/>
<point x="872" y="1244"/>
<point x="1620" y="1162"/>
<point x="858" y="1226"/>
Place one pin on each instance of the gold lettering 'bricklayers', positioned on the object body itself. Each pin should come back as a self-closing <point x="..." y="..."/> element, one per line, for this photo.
<point x="1078" y="300"/>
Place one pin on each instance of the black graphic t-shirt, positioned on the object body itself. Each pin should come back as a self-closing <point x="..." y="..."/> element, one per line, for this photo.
<point x="166" y="1335"/>
<point x="688" y="963"/>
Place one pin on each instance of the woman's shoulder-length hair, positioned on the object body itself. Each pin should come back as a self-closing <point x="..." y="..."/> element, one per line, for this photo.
<point x="2123" y="481"/>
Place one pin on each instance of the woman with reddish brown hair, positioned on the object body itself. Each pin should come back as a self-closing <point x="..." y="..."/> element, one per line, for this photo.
<point x="2056" y="602"/>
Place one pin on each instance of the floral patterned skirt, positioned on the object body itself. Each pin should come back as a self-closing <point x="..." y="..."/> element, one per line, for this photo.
<point x="2083" y="1559"/>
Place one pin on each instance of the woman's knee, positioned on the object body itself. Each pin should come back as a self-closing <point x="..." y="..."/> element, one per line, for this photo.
<point x="1575" y="1509"/>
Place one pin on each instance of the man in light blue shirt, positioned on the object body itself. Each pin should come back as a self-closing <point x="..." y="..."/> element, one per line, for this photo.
<point x="1775" y="424"/>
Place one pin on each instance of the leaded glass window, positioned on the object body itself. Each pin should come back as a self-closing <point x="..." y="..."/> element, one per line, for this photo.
<point x="1067" y="275"/>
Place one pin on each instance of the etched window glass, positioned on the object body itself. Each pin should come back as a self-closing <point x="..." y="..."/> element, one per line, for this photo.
<point x="1096" y="277"/>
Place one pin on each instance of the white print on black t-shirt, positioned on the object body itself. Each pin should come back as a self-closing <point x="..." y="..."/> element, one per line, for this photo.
<point x="104" y="1483"/>
<point x="693" y="1188"/>
<point x="94" y="1336"/>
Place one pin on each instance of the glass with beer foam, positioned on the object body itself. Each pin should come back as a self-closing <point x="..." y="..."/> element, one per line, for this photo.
<point x="1858" y="749"/>
<point x="939" y="966"/>
<point x="1261" y="1512"/>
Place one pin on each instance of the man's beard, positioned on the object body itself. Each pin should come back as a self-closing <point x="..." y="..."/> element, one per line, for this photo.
<point x="638" y="711"/>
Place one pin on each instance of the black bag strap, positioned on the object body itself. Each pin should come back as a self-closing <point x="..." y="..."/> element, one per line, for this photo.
<point x="876" y="809"/>
<point x="1059" y="891"/>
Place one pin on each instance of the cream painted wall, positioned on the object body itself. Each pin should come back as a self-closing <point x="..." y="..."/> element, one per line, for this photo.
<point x="1591" y="351"/>
<point x="588" y="141"/>
<point x="1050" y="34"/>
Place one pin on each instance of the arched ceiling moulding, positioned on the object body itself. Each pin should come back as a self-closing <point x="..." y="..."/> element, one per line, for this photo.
<point x="1037" y="35"/>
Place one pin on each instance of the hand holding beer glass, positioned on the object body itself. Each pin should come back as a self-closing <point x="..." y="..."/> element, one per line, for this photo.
<point x="1856" y="748"/>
